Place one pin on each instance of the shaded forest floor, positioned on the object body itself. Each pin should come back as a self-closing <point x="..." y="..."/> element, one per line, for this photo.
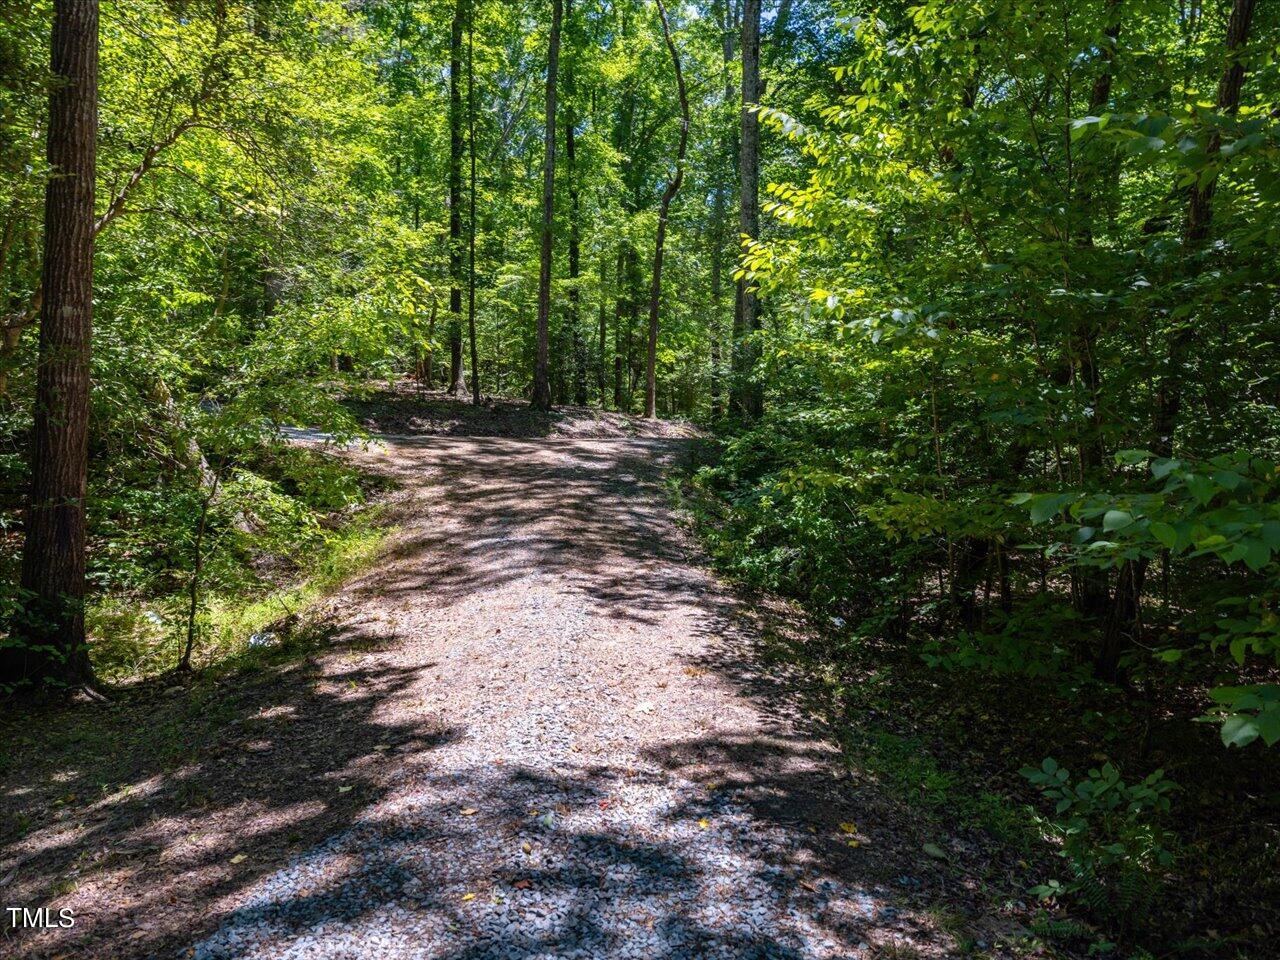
<point x="538" y="726"/>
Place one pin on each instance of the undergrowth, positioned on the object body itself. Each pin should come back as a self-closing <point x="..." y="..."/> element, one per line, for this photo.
<point x="1120" y="860"/>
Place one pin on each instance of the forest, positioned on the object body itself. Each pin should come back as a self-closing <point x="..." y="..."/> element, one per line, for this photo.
<point x="898" y="378"/>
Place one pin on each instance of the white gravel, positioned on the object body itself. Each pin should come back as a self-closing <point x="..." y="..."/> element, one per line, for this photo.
<point x="564" y="640"/>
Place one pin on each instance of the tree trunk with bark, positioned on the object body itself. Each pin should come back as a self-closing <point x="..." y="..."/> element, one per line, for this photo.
<point x="602" y="374"/>
<point x="579" y="375"/>
<point x="49" y="631"/>
<point x="673" y="187"/>
<point x="1125" y="617"/>
<point x="541" y="366"/>
<point x="746" y="398"/>
<point x="471" y="218"/>
<point x="457" y="378"/>
<point x="619" y="312"/>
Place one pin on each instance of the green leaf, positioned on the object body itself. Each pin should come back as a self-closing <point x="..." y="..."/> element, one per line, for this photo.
<point x="1202" y="488"/>
<point x="1238" y="648"/>
<point x="1116" y="519"/>
<point x="1256" y="554"/>
<point x="1163" y="532"/>
<point x="1047" y="506"/>
<point x="1269" y="725"/>
<point x="1239" y="730"/>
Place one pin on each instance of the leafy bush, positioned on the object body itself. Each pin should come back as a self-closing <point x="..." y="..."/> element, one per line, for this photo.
<point x="1109" y="835"/>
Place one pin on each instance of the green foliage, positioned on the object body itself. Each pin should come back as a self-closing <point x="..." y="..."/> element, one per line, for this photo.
<point x="1028" y="645"/>
<point x="273" y="548"/>
<point x="1109" y="835"/>
<point x="1249" y="713"/>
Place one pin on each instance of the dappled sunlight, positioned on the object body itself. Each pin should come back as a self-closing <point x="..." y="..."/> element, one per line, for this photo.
<point x="294" y="756"/>
<point x="538" y="726"/>
<point x="594" y="858"/>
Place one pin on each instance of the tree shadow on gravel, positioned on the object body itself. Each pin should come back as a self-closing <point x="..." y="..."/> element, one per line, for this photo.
<point x="591" y="861"/>
<point x="802" y="774"/>
<point x="145" y="813"/>
<point x="404" y="408"/>
<point x="589" y="514"/>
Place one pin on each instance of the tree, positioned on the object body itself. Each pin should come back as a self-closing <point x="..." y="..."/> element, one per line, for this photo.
<point x="471" y="213"/>
<point x="672" y="188"/>
<point x="541" y="367"/>
<point x="746" y="398"/>
<point x="50" y="634"/>
<point x="721" y="196"/>
<point x="575" y="210"/>
<point x="1123" y="619"/>
<point x="457" y="379"/>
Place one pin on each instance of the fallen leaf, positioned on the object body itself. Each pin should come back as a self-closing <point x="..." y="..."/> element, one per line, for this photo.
<point x="704" y="823"/>
<point x="854" y="843"/>
<point x="346" y="789"/>
<point x="604" y="804"/>
<point x="468" y="811"/>
<point x="849" y="827"/>
<point x="239" y="858"/>
<point x="522" y="884"/>
<point x="935" y="851"/>
<point x="468" y="896"/>
<point x="527" y="847"/>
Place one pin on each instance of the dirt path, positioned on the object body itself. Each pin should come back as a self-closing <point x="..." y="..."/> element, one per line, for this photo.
<point x="537" y="730"/>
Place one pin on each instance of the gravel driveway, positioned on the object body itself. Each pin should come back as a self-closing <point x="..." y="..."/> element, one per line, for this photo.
<point x="539" y="728"/>
<point x="585" y="801"/>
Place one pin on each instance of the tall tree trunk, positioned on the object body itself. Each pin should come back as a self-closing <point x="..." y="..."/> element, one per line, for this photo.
<point x="619" y="312"/>
<point x="721" y="198"/>
<point x="673" y="187"/>
<point x="602" y="374"/>
<point x="471" y="216"/>
<point x="1199" y="218"/>
<point x="457" y="378"/>
<point x="50" y="628"/>
<point x="717" y="285"/>
<point x="634" y="281"/>
<point x="1094" y="593"/>
<point x="575" y="259"/>
<point x="746" y="397"/>
<point x="541" y="372"/>
<point x="1125" y="617"/>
